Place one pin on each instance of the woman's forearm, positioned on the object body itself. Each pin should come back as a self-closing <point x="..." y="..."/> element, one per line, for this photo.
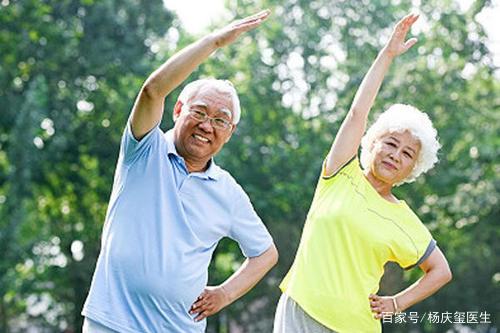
<point x="431" y="282"/>
<point x="368" y="90"/>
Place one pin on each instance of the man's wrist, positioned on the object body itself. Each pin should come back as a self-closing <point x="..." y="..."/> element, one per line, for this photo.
<point x="209" y="42"/>
<point x="215" y="40"/>
<point x="226" y="294"/>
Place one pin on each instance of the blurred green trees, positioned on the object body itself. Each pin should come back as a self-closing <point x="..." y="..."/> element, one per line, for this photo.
<point x="69" y="74"/>
<point x="70" y="70"/>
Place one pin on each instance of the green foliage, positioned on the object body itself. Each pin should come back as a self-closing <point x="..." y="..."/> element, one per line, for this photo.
<point x="297" y="76"/>
<point x="69" y="72"/>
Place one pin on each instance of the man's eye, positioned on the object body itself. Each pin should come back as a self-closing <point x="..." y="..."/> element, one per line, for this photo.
<point x="221" y="121"/>
<point x="199" y="114"/>
<point x="391" y="144"/>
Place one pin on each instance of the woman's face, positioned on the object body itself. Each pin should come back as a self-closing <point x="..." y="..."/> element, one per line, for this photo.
<point x="394" y="155"/>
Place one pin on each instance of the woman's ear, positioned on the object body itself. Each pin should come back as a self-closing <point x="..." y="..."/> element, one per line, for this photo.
<point x="177" y="110"/>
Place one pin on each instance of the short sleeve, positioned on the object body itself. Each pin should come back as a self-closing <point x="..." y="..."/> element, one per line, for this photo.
<point x="413" y="246"/>
<point x="131" y="148"/>
<point x="348" y="167"/>
<point x="350" y="172"/>
<point x="247" y="228"/>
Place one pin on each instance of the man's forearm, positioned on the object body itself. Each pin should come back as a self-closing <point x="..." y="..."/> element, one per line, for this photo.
<point x="250" y="272"/>
<point x="176" y="69"/>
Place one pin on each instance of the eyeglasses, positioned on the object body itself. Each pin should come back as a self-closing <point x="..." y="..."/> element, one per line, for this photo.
<point x="201" y="116"/>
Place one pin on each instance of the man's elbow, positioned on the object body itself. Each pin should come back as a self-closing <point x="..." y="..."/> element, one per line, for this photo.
<point x="272" y="256"/>
<point x="150" y="90"/>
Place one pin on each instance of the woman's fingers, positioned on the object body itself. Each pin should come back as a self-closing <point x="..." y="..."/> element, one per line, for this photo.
<point x="409" y="43"/>
<point x="406" y="22"/>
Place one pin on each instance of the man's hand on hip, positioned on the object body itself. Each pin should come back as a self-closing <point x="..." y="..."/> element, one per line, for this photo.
<point x="210" y="301"/>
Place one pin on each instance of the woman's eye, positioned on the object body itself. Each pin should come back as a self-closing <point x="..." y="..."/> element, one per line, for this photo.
<point x="391" y="144"/>
<point x="408" y="155"/>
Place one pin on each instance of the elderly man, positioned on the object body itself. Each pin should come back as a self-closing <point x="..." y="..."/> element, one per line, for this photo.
<point x="171" y="204"/>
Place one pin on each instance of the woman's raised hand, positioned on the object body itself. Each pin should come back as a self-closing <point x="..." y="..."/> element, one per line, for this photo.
<point x="397" y="44"/>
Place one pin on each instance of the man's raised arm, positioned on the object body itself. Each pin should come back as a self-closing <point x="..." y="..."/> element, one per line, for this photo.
<point x="148" y="107"/>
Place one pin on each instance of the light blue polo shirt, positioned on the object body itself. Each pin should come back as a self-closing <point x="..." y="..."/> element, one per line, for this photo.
<point x="161" y="228"/>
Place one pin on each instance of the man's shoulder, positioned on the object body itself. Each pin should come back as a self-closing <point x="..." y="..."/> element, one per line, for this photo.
<point x="228" y="180"/>
<point x="225" y="176"/>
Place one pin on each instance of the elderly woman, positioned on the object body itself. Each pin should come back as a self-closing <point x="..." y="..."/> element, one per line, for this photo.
<point x="356" y="225"/>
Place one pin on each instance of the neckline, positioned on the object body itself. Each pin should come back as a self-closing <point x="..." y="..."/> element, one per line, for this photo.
<point x="211" y="172"/>
<point x="400" y="202"/>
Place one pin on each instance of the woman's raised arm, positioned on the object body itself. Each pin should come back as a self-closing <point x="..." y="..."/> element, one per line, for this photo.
<point x="348" y="138"/>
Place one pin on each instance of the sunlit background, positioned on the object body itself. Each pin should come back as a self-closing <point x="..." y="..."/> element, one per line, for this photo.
<point x="197" y="16"/>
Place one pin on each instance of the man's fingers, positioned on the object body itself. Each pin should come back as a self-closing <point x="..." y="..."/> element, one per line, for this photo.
<point x="252" y="21"/>
<point x="248" y="25"/>
<point x="201" y="316"/>
<point x="200" y="303"/>
<point x="197" y="307"/>
<point x="206" y="311"/>
<point x="260" y="15"/>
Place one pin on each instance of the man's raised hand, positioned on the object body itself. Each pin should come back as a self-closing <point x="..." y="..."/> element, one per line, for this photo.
<point x="232" y="31"/>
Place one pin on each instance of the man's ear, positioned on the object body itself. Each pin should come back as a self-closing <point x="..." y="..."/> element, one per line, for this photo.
<point x="232" y="131"/>
<point x="177" y="110"/>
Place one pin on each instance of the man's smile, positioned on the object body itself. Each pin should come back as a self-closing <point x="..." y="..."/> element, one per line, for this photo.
<point x="201" y="138"/>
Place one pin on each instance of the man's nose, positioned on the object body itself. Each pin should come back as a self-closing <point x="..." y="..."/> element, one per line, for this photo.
<point x="206" y="125"/>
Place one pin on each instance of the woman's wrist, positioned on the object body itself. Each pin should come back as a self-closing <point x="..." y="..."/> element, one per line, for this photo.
<point x="397" y="308"/>
<point x="387" y="53"/>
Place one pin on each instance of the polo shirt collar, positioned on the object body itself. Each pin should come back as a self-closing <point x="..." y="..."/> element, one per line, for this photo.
<point x="213" y="172"/>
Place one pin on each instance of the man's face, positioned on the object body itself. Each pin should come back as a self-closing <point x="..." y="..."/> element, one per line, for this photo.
<point x="198" y="141"/>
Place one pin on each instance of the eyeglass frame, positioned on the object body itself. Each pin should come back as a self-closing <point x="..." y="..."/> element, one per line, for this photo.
<point x="192" y="111"/>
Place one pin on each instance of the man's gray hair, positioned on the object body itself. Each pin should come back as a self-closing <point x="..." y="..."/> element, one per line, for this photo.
<point x="224" y="86"/>
<point x="400" y="118"/>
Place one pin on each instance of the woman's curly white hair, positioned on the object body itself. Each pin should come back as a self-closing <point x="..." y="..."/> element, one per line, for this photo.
<point x="399" y="118"/>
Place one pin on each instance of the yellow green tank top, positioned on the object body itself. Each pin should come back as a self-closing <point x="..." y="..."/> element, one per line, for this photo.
<point x="350" y="233"/>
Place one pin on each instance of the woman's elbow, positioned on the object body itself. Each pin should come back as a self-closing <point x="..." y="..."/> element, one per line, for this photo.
<point x="446" y="275"/>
